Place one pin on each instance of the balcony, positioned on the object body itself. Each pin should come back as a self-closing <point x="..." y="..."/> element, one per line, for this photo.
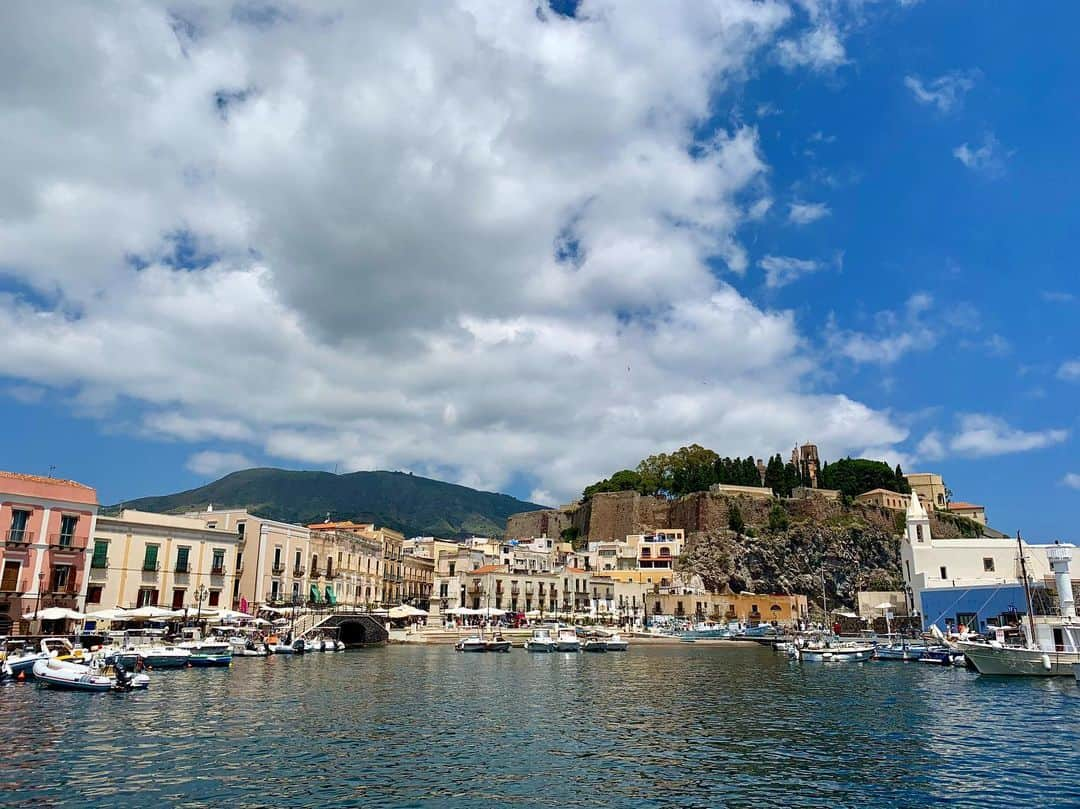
<point x="277" y="569"/>
<point x="149" y="566"/>
<point x="21" y="537"/>
<point x="333" y="574"/>
<point x="182" y="567"/>
<point x="299" y="570"/>
<point x="217" y="570"/>
<point x="63" y="542"/>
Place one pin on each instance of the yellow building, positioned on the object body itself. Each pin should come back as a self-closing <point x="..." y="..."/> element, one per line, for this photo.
<point x="969" y="510"/>
<point x="885" y="499"/>
<point x="144" y="559"/>
<point x="419" y="577"/>
<point x="930" y="487"/>
<point x="346" y="566"/>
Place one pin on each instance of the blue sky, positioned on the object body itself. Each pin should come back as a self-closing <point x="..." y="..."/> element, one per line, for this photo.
<point x="836" y="221"/>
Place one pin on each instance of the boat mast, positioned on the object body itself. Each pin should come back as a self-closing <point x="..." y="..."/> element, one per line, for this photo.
<point x="824" y="597"/>
<point x="1027" y="591"/>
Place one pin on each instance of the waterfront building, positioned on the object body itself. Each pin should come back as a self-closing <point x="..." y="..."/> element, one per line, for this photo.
<point x="658" y="550"/>
<point x="973" y="582"/>
<point x="271" y="557"/>
<point x="347" y="565"/>
<point x="448" y="585"/>
<point x="496" y="586"/>
<point x="143" y="559"/>
<point x="46" y="526"/>
<point x="419" y="575"/>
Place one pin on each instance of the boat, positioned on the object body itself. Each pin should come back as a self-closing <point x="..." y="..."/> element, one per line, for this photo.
<point x="497" y="644"/>
<point x="899" y="651"/>
<point x="941" y="656"/>
<point x="541" y="641"/>
<point x="21" y="662"/>
<point x="474" y="643"/>
<point x="126" y="656"/>
<point x="567" y="640"/>
<point x="164" y="657"/>
<point x="705" y="630"/>
<point x="1050" y="645"/>
<point x="68" y="676"/>
<point x="208" y="646"/>
<point x="841" y="652"/>
<point x="210" y="659"/>
<point x="617" y="643"/>
<point x="247" y="647"/>
<point x="594" y="645"/>
<point x="284" y="647"/>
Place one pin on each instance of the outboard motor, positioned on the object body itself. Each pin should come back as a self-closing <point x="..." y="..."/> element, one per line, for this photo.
<point x="123" y="679"/>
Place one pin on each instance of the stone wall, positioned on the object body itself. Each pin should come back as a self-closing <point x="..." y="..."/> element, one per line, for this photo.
<point x="548" y="522"/>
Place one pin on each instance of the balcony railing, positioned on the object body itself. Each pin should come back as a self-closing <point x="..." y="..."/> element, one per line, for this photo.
<point x="70" y="588"/>
<point x="151" y="567"/>
<point x="21" y="537"/>
<point x="182" y="567"/>
<point x="63" y="542"/>
<point x="299" y="570"/>
<point x="99" y="562"/>
<point x="217" y="570"/>
<point x="277" y="569"/>
<point x="333" y="574"/>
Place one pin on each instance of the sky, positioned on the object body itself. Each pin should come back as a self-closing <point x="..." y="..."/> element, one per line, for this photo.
<point x="520" y="246"/>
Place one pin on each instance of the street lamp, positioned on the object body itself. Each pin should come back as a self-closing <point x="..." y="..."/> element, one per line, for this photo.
<point x="40" y="586"/>
<point x="200" y="596"/>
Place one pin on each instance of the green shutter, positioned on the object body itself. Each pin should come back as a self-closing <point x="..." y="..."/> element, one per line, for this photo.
<point x="150" y="559"/>
<point x="101" y="553"/>
<point x="315" y="593"/>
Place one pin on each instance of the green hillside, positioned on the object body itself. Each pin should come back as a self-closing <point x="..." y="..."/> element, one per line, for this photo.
<point x="414" y="505"/>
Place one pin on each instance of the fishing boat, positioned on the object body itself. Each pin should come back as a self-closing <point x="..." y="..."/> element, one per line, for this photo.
<point x="164" y="657"/>
<point x="567" y="640"/>
<point x="617" y="643"/>
<point x="705" y="630"/>
<point x="1050" y="644"/>
<point x="899" y="651"/>
<point x="838" y="653"/>
<point x="594" y="645"/>
<point x="541" y="641"/>
<point x="68" y="676"/>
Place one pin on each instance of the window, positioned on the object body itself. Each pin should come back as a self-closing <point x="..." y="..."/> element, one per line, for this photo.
<point x="10" y="581"/>
<point x="147" y="597"/>
<point x="944" y="572"/>
<point x="215" y="598"/>
<point x="988" y="564"/>
<point x="240" y="529"/>
<point x="150" y="561"/>
<point x="239" y="561"/>
<point x="211" y="525"/>
<point x="100" y="559"/>
<point x="297" y="565"/>
<point x="93" y="594"/>
<point x="217" y="565"/>
<point x="19" y="519"/>
<point x="68" y="524"/>
<point x="275" y="591"/>
<point x="182" y="563"/>
<point x="918" y="534"/>
<point x="296" y="591"/>
<point x="178" y="599"/>
<point x="277" y="557"/>
<point x="907" y="566"/>
<point x="62" y="578"/>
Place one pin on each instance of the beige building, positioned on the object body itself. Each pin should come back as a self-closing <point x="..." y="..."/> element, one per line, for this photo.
<point x="419" y="577"/>
<point x="885" y="499"/>
<point x="346" y="565"/>
<point x="930" y="487"/>
<point x="969" y="510"/>
<point x="658" y="550"/>
<point x="271" y="557"/>
<point x="143" y="559"/>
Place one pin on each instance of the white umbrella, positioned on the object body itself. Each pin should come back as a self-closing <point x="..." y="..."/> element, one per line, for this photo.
<point x="406" y="611"/>
<point x="884" y="605"/>
<point x="380" y="612"/>
<point x="533" y="614"/>
<point x="460" y="611"/>
<point x="151" y="614"/>
<point x="108" y="615"/>
<point x="54" y="614"/>
<point x="491" y="611"/>
<point x="234" y="615"/>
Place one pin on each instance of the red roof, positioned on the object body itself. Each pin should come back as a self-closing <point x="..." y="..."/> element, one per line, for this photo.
<point x="489" y="569"/>
<point x="963" y="506"/>
<point x="42" y="479"/>
<point x="575" y="570"/>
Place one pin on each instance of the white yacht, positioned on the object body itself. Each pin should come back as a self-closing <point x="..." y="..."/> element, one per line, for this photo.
<point x="541" y="641"/>
<point x="567" y="640"/>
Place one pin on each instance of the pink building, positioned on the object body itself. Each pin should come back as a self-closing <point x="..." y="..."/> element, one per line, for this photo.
<point x="45" y="525"/>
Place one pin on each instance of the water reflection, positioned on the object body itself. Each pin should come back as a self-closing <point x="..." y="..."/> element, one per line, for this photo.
<point x="677" y="726"/>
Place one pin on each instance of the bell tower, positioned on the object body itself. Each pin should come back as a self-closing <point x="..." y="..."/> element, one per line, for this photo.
<point x="917" y="523"/>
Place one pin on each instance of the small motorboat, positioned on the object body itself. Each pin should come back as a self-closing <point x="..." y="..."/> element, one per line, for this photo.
<point x="67" y="676"/>
<point x="617" y="643"/>
<point x="205" y="660"/>
<point x="285" y="647"/>
<point x="839" y="653"/>
<point x="900" y="651"/>
<point x="247" y="647"/>
<point x="567" y="641"/>
<point x="497" y="644"/>
<point x="126" y="656"/>
<point x="22" y="662"/>
<point x="164" y="657"/>
<point x="942" y="656"/>
<point x="594" y="645"/>
<point x="541" y="641"/>
<point x="474" y="643"/>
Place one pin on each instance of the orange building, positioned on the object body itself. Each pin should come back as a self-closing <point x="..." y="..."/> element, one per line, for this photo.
<point x="46" y="526"/>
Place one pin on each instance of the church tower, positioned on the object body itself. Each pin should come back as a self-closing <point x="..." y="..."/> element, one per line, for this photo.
<point x="917" y="522"/>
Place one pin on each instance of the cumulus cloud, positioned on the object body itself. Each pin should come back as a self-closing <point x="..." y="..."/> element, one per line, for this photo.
<point x="982" y="435"/>
<point x="987" y="159"/>
<point x="1069" y="370"/>
<point x="945" y="92"/>
<point x="803" y="213"/>
<point x="212" y="464"/>
<point x="472" y="241"/>
<point x="1072" y="480"/>
<point x="895" y="333"/>
<point x="820" y="48"/>
<point x="783" y="270"/>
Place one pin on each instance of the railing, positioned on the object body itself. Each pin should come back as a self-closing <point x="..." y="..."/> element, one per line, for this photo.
<point x="182" y="567"/>
<point x="68" y="589"/>
<point x="20" y="537"/>
<point x="299" y="570"/>
<point x="217" y="570"/>
<point x="99" y="562"/>
<point x="151" y="567"/>
<point x="333" y="574"/>
<point x="277" y="569"/>
<point x="62" y="541"/>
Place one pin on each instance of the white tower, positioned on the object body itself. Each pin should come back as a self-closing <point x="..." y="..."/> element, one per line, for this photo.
<point x="917" y="521"/>
<point x="1059" y="557"/>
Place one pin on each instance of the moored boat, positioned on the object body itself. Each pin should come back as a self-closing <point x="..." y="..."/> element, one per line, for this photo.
<point x="842" y="652"/>
<point x="497" y="644"/>
<point x="164" y="657"/>
<point x="594" y="645"/>
<point x="567" y="640"/>
<point x="474" y="643"/>
<point x="541" y="641"/>
<point x="203" y="660"/>
<point x="617" y="643"/>
<point x="68" y="676"/>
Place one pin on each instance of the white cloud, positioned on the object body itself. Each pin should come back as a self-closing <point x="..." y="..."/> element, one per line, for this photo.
<point x="1072" y="480"/>
<point x="783" y="270"/>
<point x="803" y="213"/>
<point x="945" y="92"/>
<point x="982" y="435"/>
<point x="1056" y="296"/>
<point x="1069" y="370"/>
<point x="931" y="447"/>
<point x="988" y="159"/>
<point x="820" y="49"/>
<point x="459" y="239"/>
<point x="214" y="464"/>
<point x="895" y="334"/>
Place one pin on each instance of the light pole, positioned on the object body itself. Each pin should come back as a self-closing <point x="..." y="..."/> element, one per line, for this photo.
<point x="37" y="604"/>
<point x="200" y="596"/>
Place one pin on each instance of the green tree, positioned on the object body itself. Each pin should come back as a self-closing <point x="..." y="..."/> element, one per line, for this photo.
<point x="902" y="485"/>
<point x="855" y="476"/>
<point x="735" y="520"/>
<point x="791" y="479"/>
<point x="774" y="474"/>
<point x="778" y="518"/>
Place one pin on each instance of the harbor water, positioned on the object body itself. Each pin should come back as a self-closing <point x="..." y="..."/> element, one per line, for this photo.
<point x="689" y="726"/>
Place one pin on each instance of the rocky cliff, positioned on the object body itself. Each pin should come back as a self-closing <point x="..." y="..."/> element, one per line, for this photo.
<point x="856" y="547"/>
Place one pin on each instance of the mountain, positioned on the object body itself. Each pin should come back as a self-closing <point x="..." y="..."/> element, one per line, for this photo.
<point x="414" y="505"/>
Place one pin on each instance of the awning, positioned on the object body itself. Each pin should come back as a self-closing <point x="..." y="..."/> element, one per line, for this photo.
<point x="54" y="614"/>
<point x="315" y="596"/>
<point x="331" y="599"/>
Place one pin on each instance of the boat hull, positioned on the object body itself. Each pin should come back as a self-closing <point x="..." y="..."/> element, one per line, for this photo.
<point x="497" y="645"/>
<point x="210" y="661"/>
<point x="165" y="661"/>
<point x="544" y="647"/>
<point x="568" y="646"/>
<point x="1015" y="662"/>
<point x="594" y="646"/>
<point x="618" y="645"/>
<point x="837" y="655"/>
